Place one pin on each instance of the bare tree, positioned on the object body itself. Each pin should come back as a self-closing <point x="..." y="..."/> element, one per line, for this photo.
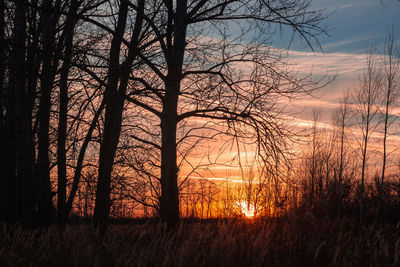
<point x="68" y="35"/>
<point x="184" y="72"/>
<point x="391" y="93"/>
<point x="198" y="75"/>
<point x="341" y="119"/>
<point x="343" y="170"/>
<point x="315" y="157"/>
<point x="114" y="97"/>
<point x="317" y="162"/>
<point x="75" y="53"/>
<point x="50" y="10"/>
<point x="36" y="35"/>
<point x="20" y="114"/>
<point x="366" y="100"/>
<point x="17" y="108"/>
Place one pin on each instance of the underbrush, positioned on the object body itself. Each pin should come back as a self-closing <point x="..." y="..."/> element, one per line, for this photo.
<point x="291" y="241"/>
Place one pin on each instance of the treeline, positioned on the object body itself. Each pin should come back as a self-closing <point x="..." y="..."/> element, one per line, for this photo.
<point x="96" y="92"/>
<point x="104" y="104"/>
<point x="355" y="162"/>
<point x="346" y="165"/>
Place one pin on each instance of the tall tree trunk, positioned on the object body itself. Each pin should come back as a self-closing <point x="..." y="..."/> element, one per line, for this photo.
<point x="2" y="110"/>
<point x="114" y="102"/>
<point x="23" y="158"/>
<point x="81" y="157"/>
<point x="363" y="167"/>
<point x="108" y="147"/>
<point x="169" y="200"/>
<point x="384" y="153"/>
<point x="367" y="100"/>
<point x="62" y="117"/>
<point x="392" y="88"/>
<point x="112" y="123"/>
<point x="4" y="174"/>
<point x="61" y="166"/>
<point x="44" y="195"/>
<point x="61" y="137"/>
<point x="33" y="70"/>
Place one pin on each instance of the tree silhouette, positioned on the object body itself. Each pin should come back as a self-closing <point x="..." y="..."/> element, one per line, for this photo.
<point x="202" y="68"/>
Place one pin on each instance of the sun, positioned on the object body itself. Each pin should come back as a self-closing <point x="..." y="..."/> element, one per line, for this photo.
<point x="247" y="209"/>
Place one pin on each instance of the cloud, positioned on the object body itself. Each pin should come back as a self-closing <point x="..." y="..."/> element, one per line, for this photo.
<point x="323" y="63"/>
<point x="347" y="67"/>
<point x="225" y="179"/>
<point x="356" y="5"/>
<point x="342" y="4"/>
<point x="353" y="40"/>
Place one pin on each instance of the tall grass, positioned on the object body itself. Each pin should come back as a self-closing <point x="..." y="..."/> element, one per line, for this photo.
<point x="294" y="241"/>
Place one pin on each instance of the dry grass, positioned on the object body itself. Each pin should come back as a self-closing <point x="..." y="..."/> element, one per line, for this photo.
<point x="295" y="241"/>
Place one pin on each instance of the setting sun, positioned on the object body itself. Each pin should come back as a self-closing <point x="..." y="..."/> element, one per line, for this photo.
<point x="247" y="209"/>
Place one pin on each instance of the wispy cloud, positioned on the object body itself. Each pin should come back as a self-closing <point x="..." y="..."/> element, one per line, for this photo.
<point x="353" y="40"/>
<point x="356" y="4"/>
<point x="225" y="179"/>
<point x="325" y="63"/>
<point x="341" y="4"/>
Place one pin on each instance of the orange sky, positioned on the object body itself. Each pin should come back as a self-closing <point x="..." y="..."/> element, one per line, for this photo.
<point x="348" y="69"/>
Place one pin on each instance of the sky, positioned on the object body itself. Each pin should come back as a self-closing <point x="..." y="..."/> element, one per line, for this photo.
<point x="353" y="26"/>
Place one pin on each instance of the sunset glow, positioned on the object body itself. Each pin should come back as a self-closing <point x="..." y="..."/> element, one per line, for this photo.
<point x="247" y="209"/>
<point x="199" y="133"/>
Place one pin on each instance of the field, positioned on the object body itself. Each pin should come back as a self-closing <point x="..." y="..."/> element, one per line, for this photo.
<point x="291" y="241"/>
